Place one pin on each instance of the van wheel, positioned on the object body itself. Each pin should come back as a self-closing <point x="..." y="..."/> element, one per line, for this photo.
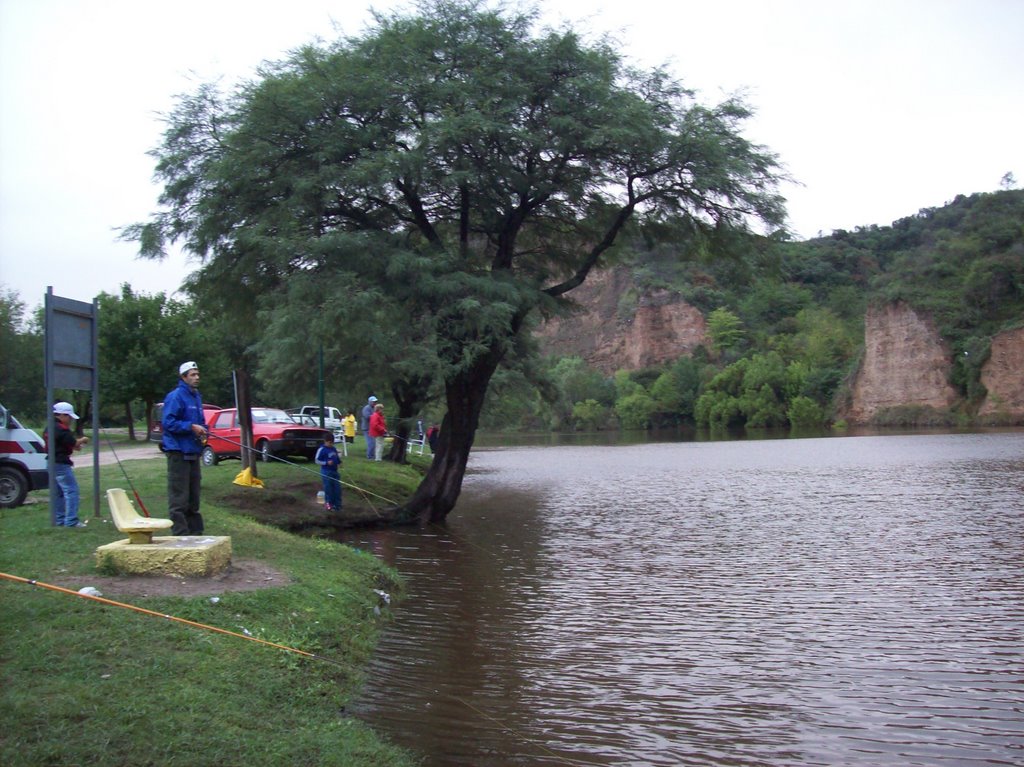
<point x="209" y="457"/>
<point x="13" y="487"/>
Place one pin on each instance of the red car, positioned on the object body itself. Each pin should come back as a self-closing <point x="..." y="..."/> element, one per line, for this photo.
<point x="156" y="434"/>
<point x="275" y="433"/>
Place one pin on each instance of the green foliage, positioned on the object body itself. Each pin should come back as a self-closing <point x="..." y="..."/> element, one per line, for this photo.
<point x="590" y="415"/>
<point x="769" y="303"/>
<point x="749" y="392"/>
<point x="636" y="410"/>
<point x="804" y="412"/>
<point x="513" y="403"/>
<point x="142" y="341"/>
<point x="725" y="329"/>
<point x="668" y="393"/>
<point x="21" y="359"/>
<point x="718" y="410"/>
<point x="688" y="374"/>
<point x="575" y="382"/>
<point x="625" y="385"/>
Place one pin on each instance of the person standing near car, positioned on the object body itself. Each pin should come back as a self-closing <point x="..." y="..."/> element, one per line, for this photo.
<point x="64" y="445"/>
<point x="378" y="430"/>
<point x="184" y="428"/>
<point x="348" y="423"/>
<point x="365" y="426"/>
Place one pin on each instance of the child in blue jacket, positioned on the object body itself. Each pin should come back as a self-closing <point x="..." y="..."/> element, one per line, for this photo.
<point x="328" y="459"/>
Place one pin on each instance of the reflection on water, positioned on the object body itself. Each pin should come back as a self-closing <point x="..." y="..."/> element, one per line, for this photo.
<point x="822" y="601"/>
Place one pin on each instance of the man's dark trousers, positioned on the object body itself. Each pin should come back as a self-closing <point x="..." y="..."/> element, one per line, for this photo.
<point x="183" y="478"/>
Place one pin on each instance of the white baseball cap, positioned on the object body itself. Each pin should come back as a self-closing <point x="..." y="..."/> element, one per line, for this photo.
<point x="372" y="399"/>
<point x="187" y="366"/>
<point x="65" y="408"/>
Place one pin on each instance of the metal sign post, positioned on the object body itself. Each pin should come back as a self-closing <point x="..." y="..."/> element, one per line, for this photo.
<point x="71" y="362"/>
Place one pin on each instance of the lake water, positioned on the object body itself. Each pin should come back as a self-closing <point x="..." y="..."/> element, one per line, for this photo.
<point x="839" y="601"/>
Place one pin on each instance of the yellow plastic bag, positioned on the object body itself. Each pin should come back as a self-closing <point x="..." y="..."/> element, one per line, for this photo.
<point x="246" y="479"/>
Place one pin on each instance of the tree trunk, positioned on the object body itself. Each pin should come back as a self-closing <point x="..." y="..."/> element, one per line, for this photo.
<point x="243" y="395"/>
<point x="149" y="418"/>
<point x="131" y="421"/>
<point x="399" y="444"/>
<point x="410" y="394"/>
<point x="440" y="488"/>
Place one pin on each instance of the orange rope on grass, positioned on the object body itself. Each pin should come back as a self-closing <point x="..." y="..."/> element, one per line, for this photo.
<point x="154" y="614"/>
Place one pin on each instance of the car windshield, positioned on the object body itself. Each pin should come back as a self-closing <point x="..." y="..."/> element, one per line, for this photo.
<point x="270" y="415"/>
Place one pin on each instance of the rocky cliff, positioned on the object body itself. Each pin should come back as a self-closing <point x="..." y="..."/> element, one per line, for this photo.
<point x="650" y="329"/>
<point x="905" y="363"/>
<point x="1003" y="377"/>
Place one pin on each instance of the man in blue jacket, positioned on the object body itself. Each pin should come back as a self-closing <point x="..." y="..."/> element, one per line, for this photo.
<point x="367" y="411"/>
<point x="184" y="435"/>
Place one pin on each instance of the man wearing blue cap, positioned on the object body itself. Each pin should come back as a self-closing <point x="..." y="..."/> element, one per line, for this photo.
<point x="184" y="427"/>
<point x="365" y="426"/>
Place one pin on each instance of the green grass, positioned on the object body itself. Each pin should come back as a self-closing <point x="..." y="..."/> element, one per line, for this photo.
<point x="85" y="683"/>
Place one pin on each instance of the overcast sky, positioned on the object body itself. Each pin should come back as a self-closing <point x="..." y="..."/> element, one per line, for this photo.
<point x="877" y="108"/>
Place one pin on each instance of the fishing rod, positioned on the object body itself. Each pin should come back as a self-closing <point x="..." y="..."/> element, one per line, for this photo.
<point x="363" y="492"/>
<point x="154" y="614"/>
<point x="275" y="645"/>
<point x="129" y="479"/>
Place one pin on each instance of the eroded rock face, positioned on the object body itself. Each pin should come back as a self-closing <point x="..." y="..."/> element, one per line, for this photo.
<point x="1003" y="377"/>
<point x="906" y="362"/>
<point x="662" y="328"/>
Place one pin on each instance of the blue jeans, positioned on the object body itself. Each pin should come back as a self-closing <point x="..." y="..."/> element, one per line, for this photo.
<point x="67" y="494"/>
<point x="370" y="449"/>
<point x="332" y="489"/>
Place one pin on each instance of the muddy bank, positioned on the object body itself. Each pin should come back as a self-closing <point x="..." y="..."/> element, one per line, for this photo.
<point x="292" y="505"/>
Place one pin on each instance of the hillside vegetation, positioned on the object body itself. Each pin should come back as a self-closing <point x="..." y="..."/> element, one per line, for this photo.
<point x="785" y="321"/>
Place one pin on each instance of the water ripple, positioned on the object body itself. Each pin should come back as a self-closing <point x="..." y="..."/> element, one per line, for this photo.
<point x="843" y="601"/>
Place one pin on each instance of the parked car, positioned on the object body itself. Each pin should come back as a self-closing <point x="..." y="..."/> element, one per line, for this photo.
<point x="275" y="434"/>
<point x="332" y="417"/>
<point x="157" y="432"/>
<point x="22" y="461"/>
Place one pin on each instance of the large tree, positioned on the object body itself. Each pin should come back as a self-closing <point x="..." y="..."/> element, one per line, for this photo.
<point x="469" y="166"/>
<point x="21" y="358"/>
<point x="142" y="341"/>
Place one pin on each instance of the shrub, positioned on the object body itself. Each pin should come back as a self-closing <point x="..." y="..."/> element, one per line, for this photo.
<point x="804" y="412"/>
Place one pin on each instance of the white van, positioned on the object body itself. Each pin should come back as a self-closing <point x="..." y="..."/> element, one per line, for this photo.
<point x="22" y="461"/>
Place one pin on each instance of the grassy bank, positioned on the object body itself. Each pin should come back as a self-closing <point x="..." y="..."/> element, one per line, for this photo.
<point x="85" y="683"/>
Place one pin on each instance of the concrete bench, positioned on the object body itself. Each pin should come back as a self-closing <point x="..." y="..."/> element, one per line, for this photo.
<point x="138" y="529"/>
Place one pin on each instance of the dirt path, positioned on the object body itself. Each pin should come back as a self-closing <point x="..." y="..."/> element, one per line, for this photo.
<point x="241" y="575"/>
<point x="83" y="458"/>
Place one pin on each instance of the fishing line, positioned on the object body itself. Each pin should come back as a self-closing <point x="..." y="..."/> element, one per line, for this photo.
<point x="135" y="492"/>
<point x="275" y="645"/>
<point x="317" y="473"/>
<point x="109" y="602"/>
<point x="365" y="493"/>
